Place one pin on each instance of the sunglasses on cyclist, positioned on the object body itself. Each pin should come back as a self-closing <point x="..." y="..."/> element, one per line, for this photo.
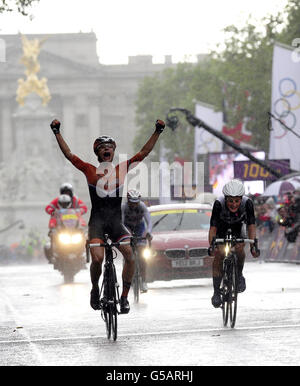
<point x="105" y="146"/>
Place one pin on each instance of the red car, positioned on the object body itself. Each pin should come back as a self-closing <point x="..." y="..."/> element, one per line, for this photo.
<point x="180" y="242"/>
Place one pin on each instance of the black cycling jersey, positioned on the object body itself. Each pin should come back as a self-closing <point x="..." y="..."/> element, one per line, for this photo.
<point x="223" y="219"/>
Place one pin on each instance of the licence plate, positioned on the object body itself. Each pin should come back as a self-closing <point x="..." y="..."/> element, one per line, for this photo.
<point x="187" y="263"/>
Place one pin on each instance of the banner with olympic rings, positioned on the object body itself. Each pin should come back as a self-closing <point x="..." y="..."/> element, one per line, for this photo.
<point x="285" y="139"/>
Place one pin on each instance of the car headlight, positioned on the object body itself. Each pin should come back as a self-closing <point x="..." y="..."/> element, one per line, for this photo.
<point x="64" y="238"/>
<point x="77" y="238"/>
<point x="147" y="253"/>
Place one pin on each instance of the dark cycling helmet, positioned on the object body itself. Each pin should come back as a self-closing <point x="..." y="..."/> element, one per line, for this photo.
<point x="64" y="201"/>
<point x="103" y="139"/>
<point x="66" y="188"/>
<point x="134" y="196"/>
<point x="234" y="188"/>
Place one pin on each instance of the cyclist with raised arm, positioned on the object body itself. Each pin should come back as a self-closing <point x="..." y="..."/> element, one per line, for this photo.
<point x="231" y="211"/>
<point x="105" y="187"/>
<point x="136" y="217"/>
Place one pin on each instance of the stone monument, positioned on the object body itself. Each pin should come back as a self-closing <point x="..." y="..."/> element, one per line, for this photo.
<point x="30" y="171"/>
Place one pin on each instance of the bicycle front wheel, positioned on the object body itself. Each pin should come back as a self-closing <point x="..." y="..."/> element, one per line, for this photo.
<point x="108" y="323"/>
<point x="136" y="279"/>
<point x="113" y="312"/>
<point x="136" y="287"/>
<point x="225" y="291"/>
<point x="113" y="318"/>
<point x="234" y="295"/>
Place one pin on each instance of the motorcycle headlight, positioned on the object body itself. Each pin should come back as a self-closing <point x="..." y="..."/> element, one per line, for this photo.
<point x="64" y="238"/>
<point x="77" y="238"/>
<point x="147" y="253"/>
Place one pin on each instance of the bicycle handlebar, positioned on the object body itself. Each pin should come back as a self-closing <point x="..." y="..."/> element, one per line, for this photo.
<point x="233" y="241"/>
<point x="222" y="241"/>
<point x="121" y="242"/>
<point x="110" y="244"/>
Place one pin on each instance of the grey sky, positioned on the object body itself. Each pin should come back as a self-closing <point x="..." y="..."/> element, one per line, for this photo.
<point x="131" y="27"/>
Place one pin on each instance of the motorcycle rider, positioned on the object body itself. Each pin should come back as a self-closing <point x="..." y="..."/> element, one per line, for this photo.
<point x="105" y="187"/>
<point x="76" y="203"/>
<point x="135" y="216"/>
<point x="231" y="211"/>
<point x="66" y="189"/>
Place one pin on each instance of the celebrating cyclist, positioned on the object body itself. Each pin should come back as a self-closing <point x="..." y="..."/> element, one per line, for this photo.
<point x="105" y="187"/>
<point x="231" y="211"/>
<point x="136" y="217"/>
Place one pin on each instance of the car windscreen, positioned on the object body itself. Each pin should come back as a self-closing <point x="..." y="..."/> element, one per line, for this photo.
<point x="180" y="219"/>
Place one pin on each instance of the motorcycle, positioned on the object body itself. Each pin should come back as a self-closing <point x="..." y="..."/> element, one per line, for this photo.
<point x="68" y="241"/>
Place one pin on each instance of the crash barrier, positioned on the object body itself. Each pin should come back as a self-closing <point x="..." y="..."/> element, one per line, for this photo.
<point x="275" y="247"/>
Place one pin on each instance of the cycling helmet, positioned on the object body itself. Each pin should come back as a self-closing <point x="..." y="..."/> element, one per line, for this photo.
<point x="133" y="196"/>
<point x="103" y="139"/>
<point x="64" y="201"/>
<point x="234" y="188"/>
<point x="66" y="188"/>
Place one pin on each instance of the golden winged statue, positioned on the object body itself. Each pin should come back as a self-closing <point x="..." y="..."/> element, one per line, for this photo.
<point x="31" y="50"/>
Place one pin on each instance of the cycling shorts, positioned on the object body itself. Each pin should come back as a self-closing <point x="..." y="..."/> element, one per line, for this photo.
<point x="115" y="229"/>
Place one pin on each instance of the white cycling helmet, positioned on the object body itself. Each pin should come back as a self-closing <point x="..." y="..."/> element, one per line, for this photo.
<point x="133" y="196"/>
<point x="234" y="188"/>
<point x="64" y="201"/>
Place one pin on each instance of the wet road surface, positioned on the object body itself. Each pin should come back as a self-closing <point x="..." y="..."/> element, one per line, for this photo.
<point x="46" y="322"/>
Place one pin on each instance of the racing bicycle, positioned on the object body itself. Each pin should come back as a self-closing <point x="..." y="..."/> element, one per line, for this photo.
<point x="110" y="302"/>
<point x="229" y="284"/>
<point x="137" y="278"/>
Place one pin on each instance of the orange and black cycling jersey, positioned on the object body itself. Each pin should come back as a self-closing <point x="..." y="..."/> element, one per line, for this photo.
<point x="106" y="185"/>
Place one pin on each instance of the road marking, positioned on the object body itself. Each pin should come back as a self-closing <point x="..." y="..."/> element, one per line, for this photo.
<point x="22" y="331"/>
<point x="177" y="332"/>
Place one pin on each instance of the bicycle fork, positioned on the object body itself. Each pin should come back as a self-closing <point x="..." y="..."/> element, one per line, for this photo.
<point x="227" y="279"/>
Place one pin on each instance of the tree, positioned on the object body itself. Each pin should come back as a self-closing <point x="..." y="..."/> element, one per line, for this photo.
<point x="291" y="30"/>
<point x="243" y="65"/>
<point x="20" y="5"/>
<point x="178" y="86"/>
